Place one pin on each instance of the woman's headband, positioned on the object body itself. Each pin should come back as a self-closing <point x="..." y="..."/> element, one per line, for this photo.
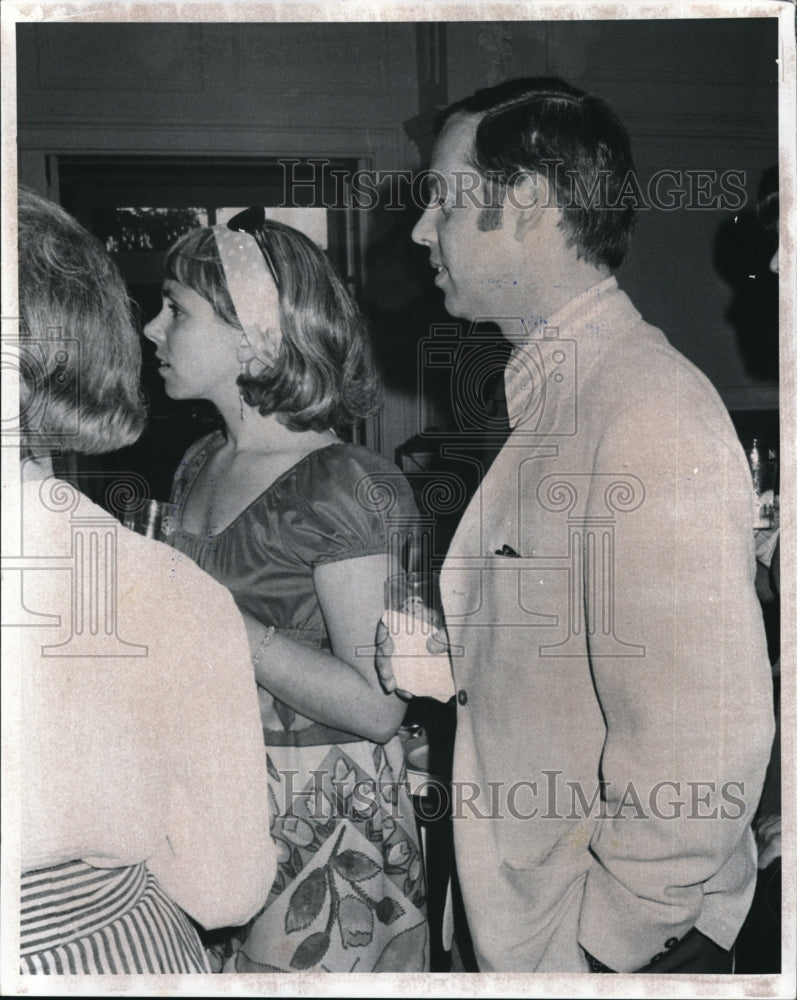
<point x="255" y="297"/>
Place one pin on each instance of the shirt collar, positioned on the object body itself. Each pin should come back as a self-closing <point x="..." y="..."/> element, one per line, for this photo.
<point x="533" y="362"/>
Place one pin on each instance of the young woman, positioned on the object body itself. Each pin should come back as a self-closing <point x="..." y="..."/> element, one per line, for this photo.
<point x="299" y="526"/>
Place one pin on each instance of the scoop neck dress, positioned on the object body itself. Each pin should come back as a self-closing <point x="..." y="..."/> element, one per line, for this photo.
<point x="349" y="894"/>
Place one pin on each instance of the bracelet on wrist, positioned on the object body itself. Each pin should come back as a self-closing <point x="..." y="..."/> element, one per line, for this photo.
<point x="268" y="636"/>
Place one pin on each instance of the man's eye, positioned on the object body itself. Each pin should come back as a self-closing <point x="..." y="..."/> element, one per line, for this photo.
<point x="174" y="309"/>
<point x="436" y="199"/>
<point x="432" y="195"/>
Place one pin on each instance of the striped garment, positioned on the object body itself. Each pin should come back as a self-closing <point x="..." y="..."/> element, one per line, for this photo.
<point x="83" y="920"/>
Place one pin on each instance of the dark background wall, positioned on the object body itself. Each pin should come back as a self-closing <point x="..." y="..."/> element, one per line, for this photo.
<point x="696" y="95"/>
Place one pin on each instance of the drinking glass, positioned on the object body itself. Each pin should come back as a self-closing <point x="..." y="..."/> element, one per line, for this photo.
<point x="415" y="595"/>
<point x="152" y="518"/>
<point x="419" y="648"/>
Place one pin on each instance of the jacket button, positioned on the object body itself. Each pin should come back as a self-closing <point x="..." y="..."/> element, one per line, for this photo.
<point x="462" y="696"/>
<point x="671" y="942"/>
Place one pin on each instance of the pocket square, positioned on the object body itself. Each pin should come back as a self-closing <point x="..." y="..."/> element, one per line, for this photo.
<point x="507" y="550"/>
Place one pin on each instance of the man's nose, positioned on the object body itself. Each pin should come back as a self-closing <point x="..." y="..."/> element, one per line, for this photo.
<point x="424" y="231"/>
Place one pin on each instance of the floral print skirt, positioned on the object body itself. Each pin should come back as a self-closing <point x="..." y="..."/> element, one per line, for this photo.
<point x="349" y="894"/>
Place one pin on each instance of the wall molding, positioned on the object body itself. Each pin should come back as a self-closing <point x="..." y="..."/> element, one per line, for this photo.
<point x="386" y="148"/>
<point x="737" y="129"/>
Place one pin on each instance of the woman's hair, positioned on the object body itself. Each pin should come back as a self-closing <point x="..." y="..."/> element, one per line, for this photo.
<point x="324" y="375"/>
<point x="543" y="125"/>
<point x="80" y="358"/>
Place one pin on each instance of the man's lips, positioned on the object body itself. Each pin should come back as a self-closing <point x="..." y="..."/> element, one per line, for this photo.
<point x="439" y="269"/>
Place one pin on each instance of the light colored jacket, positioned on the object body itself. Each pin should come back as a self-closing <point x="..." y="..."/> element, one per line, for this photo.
<point x="623" y="646"/>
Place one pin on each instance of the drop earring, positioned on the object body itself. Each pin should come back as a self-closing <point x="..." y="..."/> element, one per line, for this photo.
<point x="241" y="394"/>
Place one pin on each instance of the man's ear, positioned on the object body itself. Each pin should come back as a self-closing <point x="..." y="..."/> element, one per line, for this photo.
<point x="529" y="197"/>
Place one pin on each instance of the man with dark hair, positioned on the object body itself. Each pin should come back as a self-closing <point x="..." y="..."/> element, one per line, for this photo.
<point x="614" y="695"/>
<point x="574" y="140"/>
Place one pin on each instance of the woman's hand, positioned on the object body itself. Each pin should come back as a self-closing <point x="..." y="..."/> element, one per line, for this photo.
<point x="412" y="658"/>
<point x="384" y="662"/>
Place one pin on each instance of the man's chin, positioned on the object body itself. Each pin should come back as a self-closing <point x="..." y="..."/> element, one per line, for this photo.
<point x="455" y="308"/>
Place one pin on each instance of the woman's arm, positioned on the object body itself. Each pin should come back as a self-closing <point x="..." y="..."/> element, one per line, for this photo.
<point x="340" y="689"/>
